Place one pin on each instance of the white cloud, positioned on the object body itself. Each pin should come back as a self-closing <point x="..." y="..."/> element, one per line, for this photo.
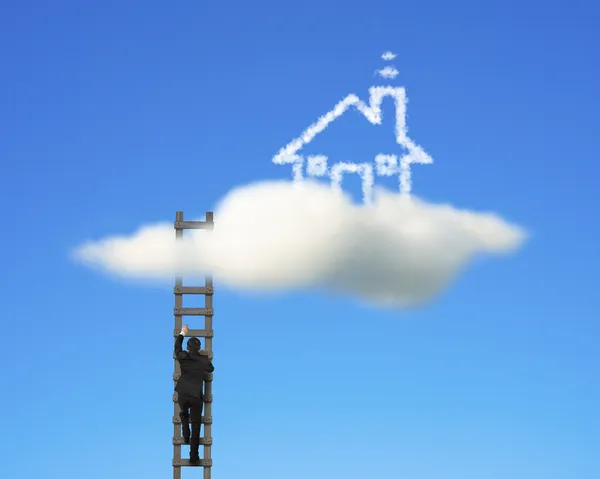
<point x="281" y="235"/>
<point x="388" y="55"/>
<point x="388" y="72"/>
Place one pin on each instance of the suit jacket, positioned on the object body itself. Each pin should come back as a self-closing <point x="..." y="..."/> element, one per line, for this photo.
<point x="194" y="368"/>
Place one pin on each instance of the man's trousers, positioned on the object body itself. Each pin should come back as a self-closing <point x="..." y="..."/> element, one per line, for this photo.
<point x="191" y="413"/>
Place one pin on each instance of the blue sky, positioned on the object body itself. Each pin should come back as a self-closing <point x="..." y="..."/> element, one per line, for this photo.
<point x="116" y="114"/>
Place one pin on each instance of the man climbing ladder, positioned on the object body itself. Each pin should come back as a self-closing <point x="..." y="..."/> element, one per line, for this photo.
<point x="189" y="388"/>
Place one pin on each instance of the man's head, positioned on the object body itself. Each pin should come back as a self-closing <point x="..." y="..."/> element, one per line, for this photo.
<point x="193" y="345"/>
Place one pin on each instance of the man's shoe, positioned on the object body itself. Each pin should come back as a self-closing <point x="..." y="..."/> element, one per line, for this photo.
<point x="194" y="459"/>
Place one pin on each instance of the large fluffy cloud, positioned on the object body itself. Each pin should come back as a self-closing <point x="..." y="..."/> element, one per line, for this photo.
<point x="398" y="251"/>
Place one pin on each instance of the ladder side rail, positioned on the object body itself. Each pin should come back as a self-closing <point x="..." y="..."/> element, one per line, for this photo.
<point x="208" y="346"/>
<point x="177" y="438"/>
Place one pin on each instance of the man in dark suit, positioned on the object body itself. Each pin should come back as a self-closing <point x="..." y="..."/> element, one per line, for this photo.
<point x="194" y="368"/>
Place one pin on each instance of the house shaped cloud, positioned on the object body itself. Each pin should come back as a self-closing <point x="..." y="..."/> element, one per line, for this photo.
<point x="385" y="164"/>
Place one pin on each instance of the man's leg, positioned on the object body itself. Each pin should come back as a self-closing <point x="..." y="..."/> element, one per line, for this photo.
<point x="184" y="414"/>
<point x="196" y="420"/>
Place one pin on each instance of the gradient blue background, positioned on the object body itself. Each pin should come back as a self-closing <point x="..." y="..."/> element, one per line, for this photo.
<point x="117" y="113"/>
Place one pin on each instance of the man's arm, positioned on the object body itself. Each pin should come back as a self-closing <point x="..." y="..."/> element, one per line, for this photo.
<point x="179" y="353"/>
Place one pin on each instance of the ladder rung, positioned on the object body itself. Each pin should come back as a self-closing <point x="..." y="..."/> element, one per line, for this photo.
<point x="204" y="441"/>
<point x="193" y="225"/>
<point x="186" y="462"/>
<point x="205" y="397"/>
<point x="204" y="352"/>
<point x="193" y="311"/>
<point x="176" y="376"/>
<point x="203" y="420"/>
<point x="193" y="290"/>
<point x="202" y="333"/>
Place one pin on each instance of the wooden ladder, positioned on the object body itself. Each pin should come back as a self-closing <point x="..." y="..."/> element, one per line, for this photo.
<point x="206" y="333"/>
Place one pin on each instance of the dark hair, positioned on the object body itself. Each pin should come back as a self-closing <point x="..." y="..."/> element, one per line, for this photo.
<point x="193" y="345"/>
